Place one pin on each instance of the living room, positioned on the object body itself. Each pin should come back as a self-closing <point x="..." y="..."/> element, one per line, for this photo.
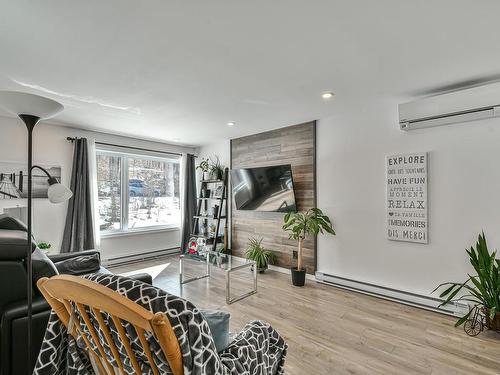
<point x="298" y="179"/>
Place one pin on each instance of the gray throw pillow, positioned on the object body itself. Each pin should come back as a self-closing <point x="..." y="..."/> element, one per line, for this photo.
<point x="42" y="266"/>
<point x="218" y="321"/>
<point x="79" y="265"/>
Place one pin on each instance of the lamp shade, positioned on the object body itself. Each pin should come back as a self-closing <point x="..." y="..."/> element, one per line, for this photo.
<point x="22" y="103"/>
<point x="59" y="193"/>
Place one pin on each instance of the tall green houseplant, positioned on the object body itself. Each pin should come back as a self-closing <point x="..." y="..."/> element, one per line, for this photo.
<point x="482" y="289"/>
<point x="299" y="225"/>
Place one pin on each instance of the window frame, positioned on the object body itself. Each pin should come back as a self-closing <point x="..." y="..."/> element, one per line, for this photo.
<point x="124" y="191"/>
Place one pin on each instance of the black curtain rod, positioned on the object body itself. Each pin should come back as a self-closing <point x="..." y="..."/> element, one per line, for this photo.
<point x="130" y="147"/>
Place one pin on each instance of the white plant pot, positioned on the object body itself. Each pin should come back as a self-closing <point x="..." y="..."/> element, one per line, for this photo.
<point x="206" y="175"/>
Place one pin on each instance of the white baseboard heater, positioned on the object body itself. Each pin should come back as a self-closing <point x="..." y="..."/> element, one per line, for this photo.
<point x="119" y="261"/>
<point x="412" y="299"/>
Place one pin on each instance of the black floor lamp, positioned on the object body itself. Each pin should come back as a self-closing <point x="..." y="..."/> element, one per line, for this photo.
<point x="31" y="109"/>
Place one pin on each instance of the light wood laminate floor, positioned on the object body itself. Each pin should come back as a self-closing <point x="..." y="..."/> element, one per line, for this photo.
<point x="334" y="331"/>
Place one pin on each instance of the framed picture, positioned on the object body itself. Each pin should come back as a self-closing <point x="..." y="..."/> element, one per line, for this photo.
<point x="218" y="191"/>
<point x="14" y="180"/>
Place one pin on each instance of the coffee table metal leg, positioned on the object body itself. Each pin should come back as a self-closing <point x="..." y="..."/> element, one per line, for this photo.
<point x="230" y="300"/>
<point x="228" y="287"/>
<point x="181" y="271"/>
<point x="181" y="268"/>
<point x="255" y="278"/>
<point x="208" y="265"/>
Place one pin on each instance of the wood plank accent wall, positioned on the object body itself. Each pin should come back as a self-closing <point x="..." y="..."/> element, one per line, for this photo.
<point x="295" y="145"/>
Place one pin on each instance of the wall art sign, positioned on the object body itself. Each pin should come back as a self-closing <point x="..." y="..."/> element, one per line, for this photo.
<point x="407" y="197"/>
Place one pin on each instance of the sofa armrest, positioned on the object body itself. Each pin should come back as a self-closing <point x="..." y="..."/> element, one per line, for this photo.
<point x="13" y="343"/>
<point x="19" y="309"/>
<point x="64" y="256"/>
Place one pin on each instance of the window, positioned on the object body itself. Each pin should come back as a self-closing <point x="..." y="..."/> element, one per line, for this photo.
<point x="137" y="192"/>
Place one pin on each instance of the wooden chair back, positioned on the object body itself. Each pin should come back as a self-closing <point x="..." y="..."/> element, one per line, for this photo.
<point x="64" y="291"/>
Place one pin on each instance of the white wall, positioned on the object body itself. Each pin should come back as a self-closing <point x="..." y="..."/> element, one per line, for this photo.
<point x="50" y="146"/>
<point x="221" y="149"/>
<point x="463" y="196"/>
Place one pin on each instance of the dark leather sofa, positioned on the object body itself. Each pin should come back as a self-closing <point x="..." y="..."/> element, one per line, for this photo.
<point x="13" y="285"/>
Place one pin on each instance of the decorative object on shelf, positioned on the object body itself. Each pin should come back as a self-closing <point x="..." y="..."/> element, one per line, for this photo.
<point x="299" y="225"/>
<point x="197" y="245"/>
<point x="215" y="210"/>
<point x="201" y="245"/>
<point x="208" y="215"/>
<point x="205" y="193"/>
<point x="262" y="256"/>
<point x="216" y="169"/>
<point x="218" y="191"/>
<point x="204" y="166"/>
<point x="193" y="245"/>
<point x="482" y="289"/>
<point x="406" y="178"/>
<point x="31" y="109"/>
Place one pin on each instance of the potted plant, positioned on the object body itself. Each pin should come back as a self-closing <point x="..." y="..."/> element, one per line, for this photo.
<point x="262" y="256"/>
<point x="482" y="289"/>
<point x="216" y="169"/>
<point x="299" y="225"/>
<point x="204" y="166"/>
<point x="44" y="245"/>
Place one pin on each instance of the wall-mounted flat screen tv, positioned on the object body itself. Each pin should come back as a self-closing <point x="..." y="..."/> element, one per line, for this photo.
<point x="264" y="189"/>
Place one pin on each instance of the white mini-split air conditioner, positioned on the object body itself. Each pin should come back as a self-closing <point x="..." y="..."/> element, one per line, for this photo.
<point x="471" y="104"/>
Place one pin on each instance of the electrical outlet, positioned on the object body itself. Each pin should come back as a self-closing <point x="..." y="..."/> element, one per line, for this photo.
<point x="294" y="254"/>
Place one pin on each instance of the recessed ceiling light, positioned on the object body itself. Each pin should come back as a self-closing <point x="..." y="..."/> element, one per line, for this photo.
<point x="231" y="123"/>
<point x="327" y="95"/>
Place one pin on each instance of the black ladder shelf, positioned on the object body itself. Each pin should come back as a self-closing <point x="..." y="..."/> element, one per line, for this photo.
<point x="221" y="214"/>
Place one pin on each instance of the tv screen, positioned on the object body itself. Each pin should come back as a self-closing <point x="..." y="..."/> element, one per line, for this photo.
<point x="264" y="189"/>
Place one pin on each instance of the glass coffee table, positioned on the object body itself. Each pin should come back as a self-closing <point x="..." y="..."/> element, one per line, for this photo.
<point x="226" y="262"/>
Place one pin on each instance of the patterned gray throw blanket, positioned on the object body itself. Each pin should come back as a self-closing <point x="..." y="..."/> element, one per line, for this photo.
<point x="257" y="350"/>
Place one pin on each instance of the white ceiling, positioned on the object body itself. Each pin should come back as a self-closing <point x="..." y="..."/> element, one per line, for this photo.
<point x="178" y="71"/>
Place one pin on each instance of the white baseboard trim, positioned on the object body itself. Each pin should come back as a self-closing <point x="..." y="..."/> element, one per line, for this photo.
<point x="288" y="271"/>
<point x="407" y="298"/>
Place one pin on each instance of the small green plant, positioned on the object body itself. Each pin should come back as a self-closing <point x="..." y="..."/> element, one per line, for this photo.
<point x="44" y="245"/>
<point x="204" y="165"/>
<point x="260" y="255"/>
<point x="482" y="289"/>
<point x="300" y="224"/>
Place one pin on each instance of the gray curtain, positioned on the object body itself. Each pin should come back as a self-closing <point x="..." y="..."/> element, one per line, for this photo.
<point x="189" y="201"/>
<point x="79" y="229"/>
